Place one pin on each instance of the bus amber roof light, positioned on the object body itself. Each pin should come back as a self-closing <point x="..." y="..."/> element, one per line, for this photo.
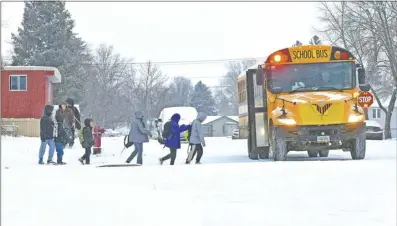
<point x="337" y="55"/>
<point x="277" y="58"/>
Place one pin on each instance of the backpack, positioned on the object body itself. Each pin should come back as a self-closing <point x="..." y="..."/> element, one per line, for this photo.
<point x="127" y="143"/>
<point x="166" y="131"/>
<point x="189" y="132"/>
<point x="80" y="136"/>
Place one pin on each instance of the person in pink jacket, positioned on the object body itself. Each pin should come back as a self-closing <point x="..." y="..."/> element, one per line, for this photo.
<point x="98" y="131"/>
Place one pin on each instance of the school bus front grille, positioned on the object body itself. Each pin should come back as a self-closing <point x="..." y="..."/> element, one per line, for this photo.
<point x="322" y="109"/>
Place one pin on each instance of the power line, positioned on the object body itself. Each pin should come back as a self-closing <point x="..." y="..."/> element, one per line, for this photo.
<point x="179" y="62"/>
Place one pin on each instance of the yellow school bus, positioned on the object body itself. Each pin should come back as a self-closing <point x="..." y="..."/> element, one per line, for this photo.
<point x="303" y="98"/>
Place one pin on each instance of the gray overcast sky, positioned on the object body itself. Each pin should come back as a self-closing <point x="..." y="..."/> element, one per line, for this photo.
<point x="174" y="31"/>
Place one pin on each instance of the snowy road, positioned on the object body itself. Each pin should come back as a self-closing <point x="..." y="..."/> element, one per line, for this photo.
<point x="228" y="189"/>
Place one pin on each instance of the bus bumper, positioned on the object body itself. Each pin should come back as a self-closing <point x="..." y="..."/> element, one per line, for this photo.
<point x="321" y="134"/>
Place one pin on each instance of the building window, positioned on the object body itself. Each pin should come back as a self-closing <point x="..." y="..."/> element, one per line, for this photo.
<point x="18" y="83"/>
<point x="376" y="113"/>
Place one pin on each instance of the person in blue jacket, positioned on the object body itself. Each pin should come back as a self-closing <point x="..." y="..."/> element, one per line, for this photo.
<point x="173" y="142"/>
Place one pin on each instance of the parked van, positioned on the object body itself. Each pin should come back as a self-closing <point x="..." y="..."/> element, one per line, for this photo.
<point x="188" y="114"/>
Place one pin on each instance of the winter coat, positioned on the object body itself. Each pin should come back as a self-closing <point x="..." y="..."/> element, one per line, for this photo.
<point x="197" y="134"/>
<point x="98" y="131"/>
<point x="62" y="135"/>
<point x="47" y="124"/>
<point x="174" y="140"/>
<point x="76" y="113"/>
<point x="66" y="116"/>
<point x="138" y="132"/>
<point x="87" y="134"/>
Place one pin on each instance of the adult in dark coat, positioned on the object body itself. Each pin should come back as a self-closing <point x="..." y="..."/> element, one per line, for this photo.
<point x="138" y="135"/>
<point x="65" y="114"/>
<point x="62" y="137"/>
<point x="47" y="134"/>
<point x="77" y="120"/>
<point x="173" y="142"/>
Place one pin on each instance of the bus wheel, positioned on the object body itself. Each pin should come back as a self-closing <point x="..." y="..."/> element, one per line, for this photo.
<point x="358" y="146"/>
<point x="277" y="145"/>
<point x="264" y="152"/>
<point x="323" y="153"/>
<point x="312" y="154"/>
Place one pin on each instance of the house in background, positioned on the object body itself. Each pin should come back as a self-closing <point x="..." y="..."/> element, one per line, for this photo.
<point x="25" y="90"/>
<point x="219" y="126"/>
<point x="376" y="114"/>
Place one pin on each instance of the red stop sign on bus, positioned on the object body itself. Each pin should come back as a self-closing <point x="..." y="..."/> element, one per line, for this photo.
<point x="365" y="99"/>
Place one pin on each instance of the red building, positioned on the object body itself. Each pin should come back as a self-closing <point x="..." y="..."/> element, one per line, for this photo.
<point x="25" y="90"/>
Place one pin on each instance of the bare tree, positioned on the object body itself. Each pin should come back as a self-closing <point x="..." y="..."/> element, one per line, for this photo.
<point x="228" y="91"/>
<point x="368" y="29"/>
<point x="315" y="40"/>
<point x="297" y="43"/>
<point x="150" y="84"/>
<point x="104" y="88"/>
<point x="180" y="90"/>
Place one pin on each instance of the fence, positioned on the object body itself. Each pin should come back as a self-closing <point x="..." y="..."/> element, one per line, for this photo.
<point x="24" y="126"/>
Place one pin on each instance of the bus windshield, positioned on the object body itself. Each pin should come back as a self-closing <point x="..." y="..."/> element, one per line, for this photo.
<point x="309" y="77"/>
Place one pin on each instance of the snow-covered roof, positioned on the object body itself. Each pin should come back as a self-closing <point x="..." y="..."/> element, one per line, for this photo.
<point x="385" y="103"/>
<point x="188" y="114"/>
<point x="372" y="123"/>
<point x="57" y="78"/>
<point x="210" y="119"/>
<point x="235" y="118"/>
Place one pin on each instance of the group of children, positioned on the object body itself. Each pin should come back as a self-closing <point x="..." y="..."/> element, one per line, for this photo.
<point x="60" y="132"/>
<point x="139" y="135"/>
<point x="57" y="134"/>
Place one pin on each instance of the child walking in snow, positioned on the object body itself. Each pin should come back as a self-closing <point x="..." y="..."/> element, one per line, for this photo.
<point x="88" y="140"/>
<point x="173" y="142"/>
<point x="138" y="135"/>
<point x="197" y="141"/>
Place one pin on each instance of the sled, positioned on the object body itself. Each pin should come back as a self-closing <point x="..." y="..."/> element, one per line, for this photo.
<point x="119" y="165"/>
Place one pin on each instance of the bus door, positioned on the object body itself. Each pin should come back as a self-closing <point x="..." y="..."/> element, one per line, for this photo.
<point x="258" y="142"/>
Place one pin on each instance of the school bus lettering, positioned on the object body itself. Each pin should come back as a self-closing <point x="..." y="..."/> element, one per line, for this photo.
<point x="321" y="53"/>
<point x="309" y="54"/>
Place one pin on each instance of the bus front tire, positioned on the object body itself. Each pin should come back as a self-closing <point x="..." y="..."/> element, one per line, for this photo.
<point x="323" y="153"/>
<point x="277" y="145"/>
<point x="358" y="146"/>
<point x="264" y="152"/>
<point x="312" y="154"/>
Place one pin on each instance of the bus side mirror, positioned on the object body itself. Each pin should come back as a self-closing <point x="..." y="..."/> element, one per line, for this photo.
<point x="361" y="80"/>
<point x="365" y="87"/>
<point x="260" y="76"/>
<point x="361" y="76"/>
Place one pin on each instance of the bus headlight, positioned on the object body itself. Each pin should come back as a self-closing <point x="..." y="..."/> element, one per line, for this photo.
<point x="356" y="118"/>
<point x="287" y="121"/>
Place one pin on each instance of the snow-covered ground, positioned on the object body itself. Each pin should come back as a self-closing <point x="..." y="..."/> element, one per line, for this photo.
<point x="227" y="189"/>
